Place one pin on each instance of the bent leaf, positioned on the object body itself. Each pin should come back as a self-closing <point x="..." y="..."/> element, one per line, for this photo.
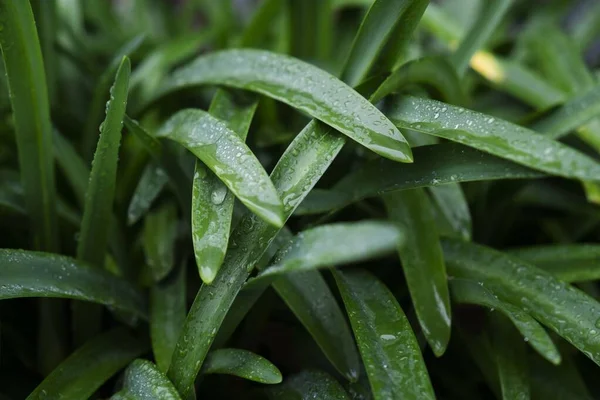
<point x="335" y="244"/>
<point x="566" y="310"/>
<point x="80" y="375"/>
<point x="212" y="203"/>
<point x="229" y="158"/>
<point x="309" y="385"/>
<point x="423" y="264"/>
<point x="494" y="136"/>
<point x="150" y="185"/>
<point x="468" y="292"/>
<point x="302" y="86"/>
<point x="159" y="235"/>
<point x="385" y="339"/>
<point x="242" y="363"/>
<point x="143" y="381"/>
<point x="34" y="274"/>
<point x="568" y="263"/>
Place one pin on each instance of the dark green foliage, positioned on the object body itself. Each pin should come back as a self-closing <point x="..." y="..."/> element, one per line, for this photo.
<point x="299" y="199"/>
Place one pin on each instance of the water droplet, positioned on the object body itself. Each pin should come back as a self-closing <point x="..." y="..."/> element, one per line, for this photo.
<point x="218" y="195"/>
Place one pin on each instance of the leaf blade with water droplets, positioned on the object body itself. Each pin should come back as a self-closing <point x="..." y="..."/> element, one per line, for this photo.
<point x="143" y="380"/>
<point x="308" y="385"/>
<point x="242" y="363"/>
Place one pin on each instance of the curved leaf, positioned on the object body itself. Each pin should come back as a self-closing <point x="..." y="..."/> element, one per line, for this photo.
<point x="436" y="72"/>
<point x="387" y="344"/>
<point x="31" y="113"/>
<point x="436" y="165"/>
<point x="34" y="274"/>
<point x="151" y="183"/>
<point x="229" y="158"/>
<point x="380" y="26"/>
<point x="494" y="136"/>
<point x="242" y="363"/>
<point x="159" y="235"/>
<point x="296" y="173"/>
<point x="334" y="244"/>
<point x="80" y="375"/>
<point x="144" y="381"/>
<point x="452" y="205"/>
<point x="568" y="263"/>
<point x="309" y="385"/>
<point x="468" y="292"/>
<point x="423" y="264"/>
<point x="301" y="86"/>
<point x="566" y="310"/>
<point x="212" y="203"/>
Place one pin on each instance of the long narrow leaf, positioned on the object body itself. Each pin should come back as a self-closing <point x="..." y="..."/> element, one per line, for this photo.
<point x="159" y="235"/>
<point x="309" y="385"/>
<point x="387" y="344"/>
<point x="494" y="136"/>
<point x="222" y="150"/>
<point x="212" y="203"/>
<point x="284" y="78"/>
<point x="566" y="310"/>
<point x="242" y="363"/>
<point x="423" y="264"/>
<point x="29" y="99"/>
<point x="144" y="381"/>
<point x="453" y="206"/>
<point x="80" y="375"/>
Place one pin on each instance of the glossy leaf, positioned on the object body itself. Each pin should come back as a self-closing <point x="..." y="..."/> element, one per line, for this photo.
<point x="316" y="146"/>
<point x="494" y="136"/>
<point x="222" y="150"/>
<point x="436" y="165"/>
<point x="242" y="363"/>
<point x="153" y="181"/>
<point x="469" y="292"/>
<point x="566" y="310"/>
<point x="212" y="203"/>
<point x="479" y="33"/>
<point x="380" y="26"/>
<point x="80" y="375"/>
<point x="285" y="79"/>
<point x="309" y="385"/>
<point x="144" y="381"/>
<point x="167" y="314"/>
<point x="331" y="245"/>
<point x="31" y="113"/>
<point x="434" y="72"/>
<point x="159" y="235"/>
<point x="511" y="358"/>
<point x="453" y="206"/>
<point x="34" y="274"/>
<point x="423" y="264"/>
<point x="387" y="344"/>
<point x="568" y="263"/>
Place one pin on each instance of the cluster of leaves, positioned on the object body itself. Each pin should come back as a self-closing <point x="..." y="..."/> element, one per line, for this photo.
<point x="445" y="154"/>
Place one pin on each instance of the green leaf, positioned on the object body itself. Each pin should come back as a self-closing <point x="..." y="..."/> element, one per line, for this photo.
<point x="46" y="18"/>
<point x="451" y="202"/>
<point x="434" y="72"/>
<point x="573" y="114"/>
<point x="260" y="23"/>
<point x="494" y="136"/>
<point x="296" y="173"/>
<point x="511" y="358"/>
<point x="568" y="263"/>
<point x="159" y="235"/>
<point x="387" y="344"/>
<point x="386" y="21"/>
<point x="557" y="382"/>
<point x="80" y="375"/>
<point x="242" y="363"/>
<point x="72" y="166"/>
<point x="423" y="264"/>
<point x="31" y="113"/>
<point x="469" y="292"/>
<point x="437" y="165"/>
<point x="35" y="274"/>
<point x="222" y="150"/>
<point x="285" y="79"/>
<point x="144" y="381"/>
<point x="101" y="187"/>
<point x="167" y="314"/>
<point x="566" y="310"/>
<point x="331" y="245"/>
<point x="212" y="203"/>
<point x="311" y="29"/>
<point x="153" y="181"/>
<point x="309" y="385"/>
<point x="480" y="32"/>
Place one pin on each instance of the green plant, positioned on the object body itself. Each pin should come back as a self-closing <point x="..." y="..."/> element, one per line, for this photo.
<point x="294" y="199"/>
